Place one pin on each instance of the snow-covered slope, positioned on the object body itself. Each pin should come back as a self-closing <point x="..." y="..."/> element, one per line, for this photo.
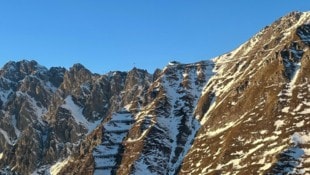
<point x="108" y="154"/>
<point x="167" y="125"/>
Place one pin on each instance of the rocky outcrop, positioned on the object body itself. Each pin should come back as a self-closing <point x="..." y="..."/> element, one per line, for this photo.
<point x="26" y="93"/>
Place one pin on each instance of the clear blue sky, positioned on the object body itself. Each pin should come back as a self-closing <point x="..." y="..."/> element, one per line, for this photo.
<point x="107" y="35"/>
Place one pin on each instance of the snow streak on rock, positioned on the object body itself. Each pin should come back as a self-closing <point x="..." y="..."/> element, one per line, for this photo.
<point x="109" y="153"/>
<point x="175" y="125"/>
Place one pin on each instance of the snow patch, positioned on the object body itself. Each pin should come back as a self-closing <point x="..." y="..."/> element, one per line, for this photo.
<point x="300" y="124"/>
<point x="295" y="76"/>
<point x="14" y="123"/>
<point x="298" y="138"/>
<point x="185" y="75"/>
<point x="50" y="86"/>
<point x="6" y="136"/>
<point x="263" y="132"/>
<point x="4" y="95"/>
<point x="298" y="107"/>
<point x="305" y="111"/>
<point x="130" y="140"/>
<point x="56" y="168"/>
<point x="286" y="109"/>
<point x="114" y="132"/>
<point x="217" y="131"/>
<point x="127" y="107"/>
<point x="279" y="124"/>
<point x="75" y="110"/>
<point x="273" y="151"/>
<point x="77" y="114"/>
<point x="305" y="102"/>
<point x="220" y="130"/>
<point x="264" y="140"/>
<point x="212" y="105"/>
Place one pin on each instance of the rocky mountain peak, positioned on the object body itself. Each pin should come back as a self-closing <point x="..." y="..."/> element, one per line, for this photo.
<point x="281" y="31"/>
<point x="137" y="77"/>
<point x="78" y="73"/>
<point x="18" y="70"/>
<point x="79" y="69"/>
<point x="251" y="88"/>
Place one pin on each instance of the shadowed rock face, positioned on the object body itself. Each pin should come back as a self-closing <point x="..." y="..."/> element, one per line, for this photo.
<point x="244" y="112"/>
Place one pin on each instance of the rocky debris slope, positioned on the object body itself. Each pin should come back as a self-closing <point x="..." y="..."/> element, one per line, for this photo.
<point x="244" y="112"/>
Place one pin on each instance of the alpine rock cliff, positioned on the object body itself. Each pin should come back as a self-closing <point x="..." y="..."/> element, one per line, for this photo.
<point x="244" y="112"/>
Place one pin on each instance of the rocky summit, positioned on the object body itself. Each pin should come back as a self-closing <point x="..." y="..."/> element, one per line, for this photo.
<point x="244" y="112"/>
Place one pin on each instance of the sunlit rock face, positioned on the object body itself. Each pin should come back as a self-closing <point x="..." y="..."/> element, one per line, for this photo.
<point x="259" y="121"/>
<point x="244" y="112"/>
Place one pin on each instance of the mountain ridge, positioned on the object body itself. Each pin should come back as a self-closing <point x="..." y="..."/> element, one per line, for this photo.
<point x="244" y="112"/>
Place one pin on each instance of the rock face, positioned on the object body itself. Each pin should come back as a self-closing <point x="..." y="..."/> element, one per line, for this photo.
<point x="244" y="112"/>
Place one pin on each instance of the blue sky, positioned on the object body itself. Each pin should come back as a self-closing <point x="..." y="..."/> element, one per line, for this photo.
<point x="106" y="35"/>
